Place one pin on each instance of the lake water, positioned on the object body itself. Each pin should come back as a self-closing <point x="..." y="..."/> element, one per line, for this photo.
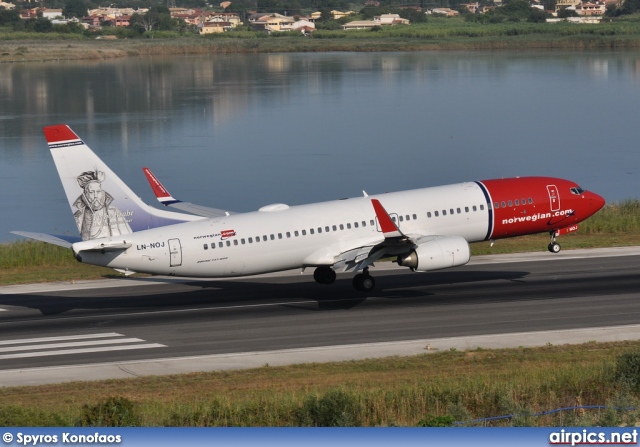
<point x="241" y="131"/>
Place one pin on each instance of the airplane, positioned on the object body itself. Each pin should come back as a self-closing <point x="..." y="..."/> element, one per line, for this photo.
<point x="423" y="229"/>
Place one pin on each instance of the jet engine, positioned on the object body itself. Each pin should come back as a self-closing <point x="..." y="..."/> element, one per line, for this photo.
<point x="441" y="252"/>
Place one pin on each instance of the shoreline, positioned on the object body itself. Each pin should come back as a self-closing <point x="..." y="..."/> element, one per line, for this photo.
<point x="74" y="49"/>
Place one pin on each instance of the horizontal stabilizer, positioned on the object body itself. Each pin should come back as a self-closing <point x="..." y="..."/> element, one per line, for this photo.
<point x="102" y="247"/>
<point x="55" y="239"/>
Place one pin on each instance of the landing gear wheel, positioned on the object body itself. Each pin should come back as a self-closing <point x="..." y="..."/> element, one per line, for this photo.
<point x="554" y="247"/>
<point x="324" y="275"/>
<point x="364" y="282"/>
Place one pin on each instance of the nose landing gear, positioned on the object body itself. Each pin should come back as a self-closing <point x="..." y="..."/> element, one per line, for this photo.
<point x="553" y="246"/>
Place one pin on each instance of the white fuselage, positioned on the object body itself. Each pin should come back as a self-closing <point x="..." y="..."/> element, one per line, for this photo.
<point x="292" y="237"/>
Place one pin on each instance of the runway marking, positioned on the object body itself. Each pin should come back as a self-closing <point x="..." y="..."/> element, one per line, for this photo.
<point x="62" y="338"/>
<point x="47" y="346"/>
<point x="70" y="345"/>
<point x="80" y="351"/>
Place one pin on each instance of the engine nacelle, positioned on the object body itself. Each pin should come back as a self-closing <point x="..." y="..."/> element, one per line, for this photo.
<point x="441" y="252"/>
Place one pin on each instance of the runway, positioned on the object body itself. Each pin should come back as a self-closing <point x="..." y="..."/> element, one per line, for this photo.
<point x="127" y="327"/>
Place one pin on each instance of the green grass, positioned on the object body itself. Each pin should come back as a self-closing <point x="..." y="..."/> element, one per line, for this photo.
<point x="616" y="225"/>
<point x="393" y="391"/>
<point x="437" y="34"/>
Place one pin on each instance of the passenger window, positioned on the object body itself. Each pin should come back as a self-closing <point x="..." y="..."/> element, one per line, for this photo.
<point x="458" y="210"/>
<point x="496" y="206"/>
<point x="481" y="207"/>
<point x="326" y="229"/>
<point x="319" y="230"/>
<point x="530" y="200"/>
<point x="401" y="219"/>
<point x="272" y="237"/>
<point x="504" y="205"/>
<point x="393" y="219"/>
<point x="251" y="240"/>
<point x="296" y="233"/>
<point x="206" y="246"/>
<point x="372" y="222"/>
<point x="264" y="238"/>
<point x="364" y="223"/>
<point x="235" y="242"/>
<point x="429" y="214"/>
<point x="474" y="208"/>
<point x="228" y="243"/>
<point x="220" y="244"/>
<point x="341" y="227"/>
<point x="279" y="235"/>
<point x="523" y="201"/>
<point x="356" y="224"/>
<point x="288" y="234"/>
<point x="415" y="217"/>
<point x="444" y="212"/>
<point x="436" y="213"/>
<point x="242" y="241"/>
<point x="466" y="209"/>
<point x="348" y="226"/>
<point x="510" y="203"/>
<point x="334" y="228"/>
<point x="304" y="232"/>
<point x="517" y="202"/>
<point x="311" y="231"/>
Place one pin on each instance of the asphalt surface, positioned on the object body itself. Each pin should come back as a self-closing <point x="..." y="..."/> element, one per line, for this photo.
<point x="116" y="322"/>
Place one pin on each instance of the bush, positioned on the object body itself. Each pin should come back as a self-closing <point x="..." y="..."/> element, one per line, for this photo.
<point x="113" y="412"/>
<point x="15" y="416"/>
<point x="335" y="409"/>
<point x="628" y="370"/>
<point x="436" y="421"/>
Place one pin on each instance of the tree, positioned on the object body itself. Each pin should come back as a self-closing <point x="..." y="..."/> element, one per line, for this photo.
<point x="270" y="6"/>
<point x="156" y="18"/>
<point x="566" y="12"/>
<point x="537" y="16"/>
<point x="42" y="25"/>
<point x="9" y="16"/>
<point x="75" y="8"/>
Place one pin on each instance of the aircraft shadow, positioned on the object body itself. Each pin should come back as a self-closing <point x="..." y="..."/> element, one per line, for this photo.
<point x="297" y="294"/>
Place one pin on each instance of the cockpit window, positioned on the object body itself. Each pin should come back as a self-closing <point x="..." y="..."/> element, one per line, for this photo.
<point x="577" y="190"/>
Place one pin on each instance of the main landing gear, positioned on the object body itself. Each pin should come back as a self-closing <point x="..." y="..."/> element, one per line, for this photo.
<point x="553" y="246"/>
<point x="363" y="282"/>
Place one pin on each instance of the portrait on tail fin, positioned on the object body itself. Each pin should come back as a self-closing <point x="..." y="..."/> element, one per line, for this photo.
<point x="96" y="217"/>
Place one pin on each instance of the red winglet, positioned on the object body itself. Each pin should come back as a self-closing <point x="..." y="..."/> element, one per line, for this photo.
<point x="158" y="189"/>
<point x="60" y="132"/>
<point x="386" y="224"/>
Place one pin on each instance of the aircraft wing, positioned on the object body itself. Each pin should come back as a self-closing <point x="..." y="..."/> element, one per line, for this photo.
<point x="361" y="253"/>
<point x="55" y="239"/>
<point x="164" y="197"/>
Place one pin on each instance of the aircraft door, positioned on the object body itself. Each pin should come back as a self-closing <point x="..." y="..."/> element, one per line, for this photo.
<point x="175" y="252"/>
<point x="554" y="197"/>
